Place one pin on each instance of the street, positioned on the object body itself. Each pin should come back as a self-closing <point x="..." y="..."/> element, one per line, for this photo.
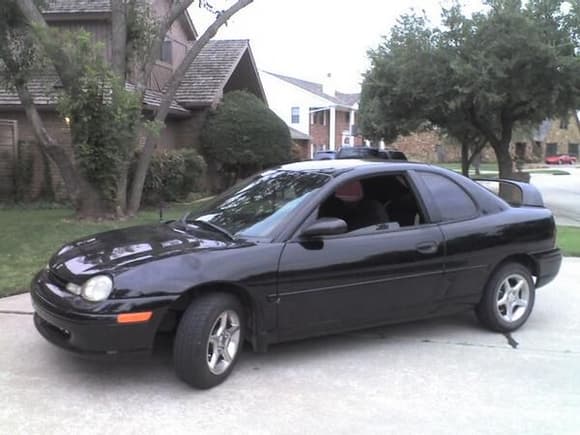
<point x="561" y="194"/>
<point x="444" y="375"/>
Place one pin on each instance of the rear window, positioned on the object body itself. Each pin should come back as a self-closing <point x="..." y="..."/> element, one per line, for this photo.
<point x="397" y="155"/>
<point x="452" y="201"/>
<point x="346" y="153"/>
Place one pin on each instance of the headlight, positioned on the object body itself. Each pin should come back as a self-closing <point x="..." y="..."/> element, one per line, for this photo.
<point x="97" y="289"/>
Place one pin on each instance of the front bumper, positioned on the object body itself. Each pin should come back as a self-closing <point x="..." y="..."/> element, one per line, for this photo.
<point x="547" y="265"/>
<point x="94" y="333"/>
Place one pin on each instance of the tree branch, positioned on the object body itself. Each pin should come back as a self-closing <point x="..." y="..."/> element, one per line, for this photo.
<point x="37" y="22"/>
<point x="485" y="130"/>
<point x="169" y="94"/>
<point x="178" y="8"/>
<point x="119" y="37"/>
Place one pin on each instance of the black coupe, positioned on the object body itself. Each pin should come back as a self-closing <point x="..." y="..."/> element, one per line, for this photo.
<point x="304" y="249"/>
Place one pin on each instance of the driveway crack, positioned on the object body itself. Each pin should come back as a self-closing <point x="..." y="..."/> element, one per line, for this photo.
<point x="511" y="341"/>
<point x="17" y="312"/>
<point x="495" y="346"/>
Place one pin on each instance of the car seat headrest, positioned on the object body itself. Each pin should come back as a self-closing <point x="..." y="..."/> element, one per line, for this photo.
<point x="350" y="192"/>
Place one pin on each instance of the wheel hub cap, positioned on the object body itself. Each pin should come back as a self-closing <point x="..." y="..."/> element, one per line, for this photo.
<point x="223" y="342"/>
<point x="513" y="296"/>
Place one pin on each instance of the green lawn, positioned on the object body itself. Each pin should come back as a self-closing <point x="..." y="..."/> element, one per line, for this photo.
<point x="484" y="167"/>
<point x="569" y="240"/>
<point x="28" y="238"/>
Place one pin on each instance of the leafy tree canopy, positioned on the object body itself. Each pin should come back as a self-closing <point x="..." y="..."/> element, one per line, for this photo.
<point x="475" y="77"/>
<point x="243" y="135"/>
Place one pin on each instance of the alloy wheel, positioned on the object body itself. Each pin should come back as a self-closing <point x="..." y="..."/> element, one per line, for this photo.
<point x="223" y="342"/>
<point x="513" y="298"/>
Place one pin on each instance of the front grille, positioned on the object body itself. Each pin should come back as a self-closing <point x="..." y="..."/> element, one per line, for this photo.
<point x="53" y="278"/>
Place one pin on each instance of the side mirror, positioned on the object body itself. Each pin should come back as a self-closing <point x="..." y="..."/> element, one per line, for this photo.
<point x="326" y="227"/>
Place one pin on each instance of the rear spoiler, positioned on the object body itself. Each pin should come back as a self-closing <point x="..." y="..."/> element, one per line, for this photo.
<point x="516" y="193"/>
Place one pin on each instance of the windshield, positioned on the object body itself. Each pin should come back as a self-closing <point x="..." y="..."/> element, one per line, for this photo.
<point x="255" y="207"/>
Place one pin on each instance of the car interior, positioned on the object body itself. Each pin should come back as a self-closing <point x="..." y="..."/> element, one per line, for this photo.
<point x="385" y="201"/>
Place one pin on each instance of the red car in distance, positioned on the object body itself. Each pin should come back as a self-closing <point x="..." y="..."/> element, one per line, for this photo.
<point x="561" y="159"/>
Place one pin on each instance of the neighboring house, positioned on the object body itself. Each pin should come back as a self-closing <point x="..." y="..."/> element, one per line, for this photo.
<point x="551" y="137"/>
<point x="222" y="66"/>
<point x="556" y="136"/>
<point x="314" y="111"/>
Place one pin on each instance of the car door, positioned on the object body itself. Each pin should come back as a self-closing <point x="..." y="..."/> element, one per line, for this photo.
<point x="473" y="240"/>
<point x="352" y="280"/>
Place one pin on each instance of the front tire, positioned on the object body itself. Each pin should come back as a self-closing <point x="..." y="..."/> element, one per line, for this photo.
<point x="508" y="299"/>
<point x="209" y="340"/>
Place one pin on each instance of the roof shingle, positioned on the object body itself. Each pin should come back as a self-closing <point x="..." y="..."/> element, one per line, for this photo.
<point x="44" y="88"/>
<point x="80" y="6"/>
<point x="317" y="89"/>
<point x="208" y="74"/>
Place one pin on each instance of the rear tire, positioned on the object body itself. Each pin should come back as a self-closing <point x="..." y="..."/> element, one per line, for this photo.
<point x="508" y="298"/>
<point x="209" y="340"/>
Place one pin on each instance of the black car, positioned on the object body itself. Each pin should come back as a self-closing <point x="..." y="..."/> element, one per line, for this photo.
<point x="304" y="249"/>
<point x="370" y="153"/>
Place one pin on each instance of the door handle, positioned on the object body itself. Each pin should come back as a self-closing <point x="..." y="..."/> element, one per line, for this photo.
<point x="427" y="247"/>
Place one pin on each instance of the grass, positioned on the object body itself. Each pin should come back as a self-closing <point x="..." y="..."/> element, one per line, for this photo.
<point x="569" y="240"/>
<point x="491" y="169"/>
<point x="29" y="236"/>
<point x="484" y="167"/>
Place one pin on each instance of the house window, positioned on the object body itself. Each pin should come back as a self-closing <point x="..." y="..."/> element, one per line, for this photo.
<point x="573" y="149"/>
<point x="564" y="124"/>
<point x="296" y="115"/>
<point x="551" y="149"/>
<point x="166" y="51"/>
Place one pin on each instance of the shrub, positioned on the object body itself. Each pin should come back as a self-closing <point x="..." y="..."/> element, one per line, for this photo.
<point x="243" y="135"/>
<point x="173" y="175"/>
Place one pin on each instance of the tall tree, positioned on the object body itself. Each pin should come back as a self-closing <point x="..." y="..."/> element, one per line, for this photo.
<point x="137" y="37"/>
<point x="477" y="77"/>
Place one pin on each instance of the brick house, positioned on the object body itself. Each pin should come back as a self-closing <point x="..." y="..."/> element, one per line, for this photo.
<point x="222" y="66"/>
<point x="319" y="117"/>
<point x="555" y="136"/>
<point x="551" y="137"/>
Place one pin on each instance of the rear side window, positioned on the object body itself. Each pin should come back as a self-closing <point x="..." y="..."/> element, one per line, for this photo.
<point x="452" y="201"/>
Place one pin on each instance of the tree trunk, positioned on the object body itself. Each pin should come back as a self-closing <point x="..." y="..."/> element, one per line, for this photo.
<point x="465" y="158"/>
<point x="504" y="161"/>
<point x="85" y="199"/>
<point x="170" y="89"/>
<point x="475" y="160"/>
<point x="122" y="186"/>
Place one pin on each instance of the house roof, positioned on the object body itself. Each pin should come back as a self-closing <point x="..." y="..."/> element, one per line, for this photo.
<point x="44" y="88"/>
<point x="209" y="73"/>
<point x="76" y="6"/>
<point x="317" y="89"/>
<point x="298" y="135"/>
<point x="221" y="65"/>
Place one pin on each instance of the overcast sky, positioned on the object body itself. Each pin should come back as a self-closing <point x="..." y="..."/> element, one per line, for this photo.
<point x="309" y="38"/>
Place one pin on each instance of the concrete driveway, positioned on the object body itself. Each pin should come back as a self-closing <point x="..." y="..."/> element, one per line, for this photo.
<point x="439" y="376"/>
<point x="561" y="194"/>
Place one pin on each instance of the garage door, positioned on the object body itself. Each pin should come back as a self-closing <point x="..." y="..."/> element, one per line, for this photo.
<point x="8" y="140"/>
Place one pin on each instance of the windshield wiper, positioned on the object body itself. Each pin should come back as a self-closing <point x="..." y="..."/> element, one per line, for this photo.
<point x="211" y="226"/>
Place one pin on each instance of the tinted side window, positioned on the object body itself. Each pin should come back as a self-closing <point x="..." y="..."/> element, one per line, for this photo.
<point x="452" y="201"/>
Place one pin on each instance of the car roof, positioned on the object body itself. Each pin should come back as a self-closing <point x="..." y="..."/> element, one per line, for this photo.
<point x="340" y="166"/>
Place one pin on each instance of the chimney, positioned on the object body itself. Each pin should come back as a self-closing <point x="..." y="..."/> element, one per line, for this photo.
<point x="328" y="86"/>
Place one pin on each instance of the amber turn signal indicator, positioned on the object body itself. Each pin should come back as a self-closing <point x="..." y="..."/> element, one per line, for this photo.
<point x="143" y="316"/>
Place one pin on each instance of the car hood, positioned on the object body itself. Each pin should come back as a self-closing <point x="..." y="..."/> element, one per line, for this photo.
<point x="112" y="251"/>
